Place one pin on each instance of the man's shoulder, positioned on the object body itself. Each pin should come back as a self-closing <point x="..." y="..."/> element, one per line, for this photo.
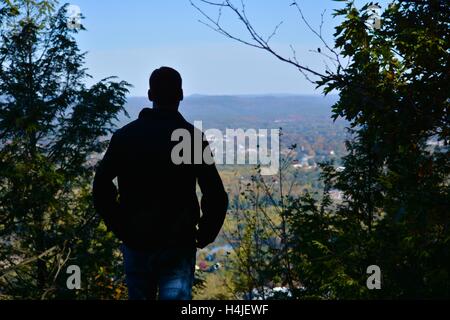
<point x="189" y="125"/>
<point x="123" y="130"/>
<point x="178" y="122"/>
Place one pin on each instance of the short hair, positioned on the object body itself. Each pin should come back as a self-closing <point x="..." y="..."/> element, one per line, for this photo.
<point x="166" y="85"/>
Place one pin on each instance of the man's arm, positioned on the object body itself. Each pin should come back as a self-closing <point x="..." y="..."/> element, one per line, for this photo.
<point x="104" y="191"/>
<point x="214" y="203"/>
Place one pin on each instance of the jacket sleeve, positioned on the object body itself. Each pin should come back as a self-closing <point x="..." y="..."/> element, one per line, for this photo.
<point x="105" y="193"/>
<point x="214" y="203"/>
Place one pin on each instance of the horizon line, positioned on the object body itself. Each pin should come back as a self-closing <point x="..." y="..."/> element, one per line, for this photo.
<point x="249" y="95"/>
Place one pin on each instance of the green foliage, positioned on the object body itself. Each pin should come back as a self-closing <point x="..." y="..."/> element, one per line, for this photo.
<point x="395" y="94"/>
<point x="214" y="286"/>
<point x="395" y="213"/>
<point x="50" y="126"/>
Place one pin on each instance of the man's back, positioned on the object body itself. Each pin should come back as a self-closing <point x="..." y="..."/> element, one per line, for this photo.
<point x="155" y="212"/>
<point x="158" y="204"/>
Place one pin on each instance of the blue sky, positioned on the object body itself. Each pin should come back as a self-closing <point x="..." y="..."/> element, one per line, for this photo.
<point x="131" y="38"/>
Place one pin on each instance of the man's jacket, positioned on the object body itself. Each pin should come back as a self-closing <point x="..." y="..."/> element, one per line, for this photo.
<point x="156" y="203"/>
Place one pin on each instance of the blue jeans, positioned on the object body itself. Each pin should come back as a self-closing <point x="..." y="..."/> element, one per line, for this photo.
<point x="170" y="272"/>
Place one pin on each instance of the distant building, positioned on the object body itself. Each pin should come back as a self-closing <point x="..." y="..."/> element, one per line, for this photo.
<point x="336" y="195"/>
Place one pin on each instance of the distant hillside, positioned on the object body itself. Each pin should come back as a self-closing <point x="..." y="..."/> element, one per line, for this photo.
<point x="246" y="111"/>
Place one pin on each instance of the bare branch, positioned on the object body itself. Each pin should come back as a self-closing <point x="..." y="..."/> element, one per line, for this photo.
<point x="257" y="41"/>
<point x="27" y="261"/>
<point x="294" y="55"/>
<point x="317" y="33"/>
<point x="274" y="32"/>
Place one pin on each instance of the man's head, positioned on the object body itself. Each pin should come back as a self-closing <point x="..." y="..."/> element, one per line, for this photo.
<point x="165" y="88"/>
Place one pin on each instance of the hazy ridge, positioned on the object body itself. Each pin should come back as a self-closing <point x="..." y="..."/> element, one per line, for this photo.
<point x="245" y="111"/>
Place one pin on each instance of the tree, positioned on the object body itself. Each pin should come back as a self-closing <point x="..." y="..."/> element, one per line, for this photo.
<point x="394" y="92"/>
<point x="51" y="127"/>
<point x="258" y="232"/>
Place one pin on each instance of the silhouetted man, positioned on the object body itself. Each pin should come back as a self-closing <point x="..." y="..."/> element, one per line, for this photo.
<point x="155" y="211"/>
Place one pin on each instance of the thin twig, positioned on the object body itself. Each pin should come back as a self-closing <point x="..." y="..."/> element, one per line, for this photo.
<point x="257" y="41"/>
